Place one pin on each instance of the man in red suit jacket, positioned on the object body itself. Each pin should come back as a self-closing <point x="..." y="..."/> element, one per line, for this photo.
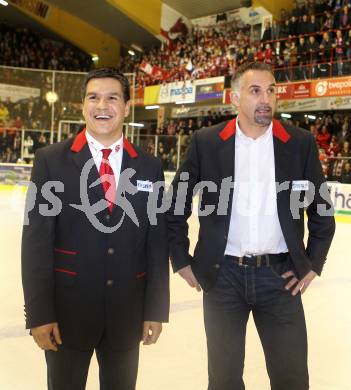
<point x="94" y="268"/>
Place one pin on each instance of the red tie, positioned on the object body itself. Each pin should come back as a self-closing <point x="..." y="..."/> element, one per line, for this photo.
<point x="109" y="182"/>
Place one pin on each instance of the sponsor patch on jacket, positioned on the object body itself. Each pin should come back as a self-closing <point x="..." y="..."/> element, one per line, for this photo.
<point x="144" y="185"/>
<point x="300" y="185"/>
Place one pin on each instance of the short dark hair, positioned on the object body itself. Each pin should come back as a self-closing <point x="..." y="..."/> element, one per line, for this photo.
<point x="246" y="66"/>
<point x="112" y="73"/>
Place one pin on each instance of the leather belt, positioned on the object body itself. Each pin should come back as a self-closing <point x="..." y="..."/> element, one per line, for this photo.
<point x="260" y="260"/>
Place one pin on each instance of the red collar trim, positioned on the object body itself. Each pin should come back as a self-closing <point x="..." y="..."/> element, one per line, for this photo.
<point x="80" y="141"/>
<point x="129" y="148"/>
<point x="278" y="131"/>
<point x="229" y="130"/>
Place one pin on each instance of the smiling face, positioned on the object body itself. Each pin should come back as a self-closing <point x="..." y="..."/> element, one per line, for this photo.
<point x="255" y="98"/>
<point x="104" y="109"/>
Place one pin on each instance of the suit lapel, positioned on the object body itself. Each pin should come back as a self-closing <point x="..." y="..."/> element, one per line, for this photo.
<point x="282" y="162"/>
<point x="226" y="150"/>
<point x="226" y="153"/>
<point x="282" y="152"/>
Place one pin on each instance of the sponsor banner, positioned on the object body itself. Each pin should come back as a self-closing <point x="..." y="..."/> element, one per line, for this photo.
<point x="17" y="92"/>
<point x="15" y="174"/>
<point x="231" y="16"/>
<point x="253" y="16"/>
<point x="301" y="90"/>
<point x="177" y="92"/>
<point x="284" y="91"/>
<point x="329" y="103"/>
<point x="188" y="112"/>
<point x="341" y="198"/>
<point x="294" y="91"/>
<point x="185" y="112"/>
<point x="151" y="95"/>
<point x="339" y="103"/>
<point x="301" y="105"/>
<point x="209" y="91"/>
<point x="339" y="86"/>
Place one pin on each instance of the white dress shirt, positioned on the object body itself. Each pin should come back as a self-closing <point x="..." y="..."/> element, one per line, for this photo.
<point x="254" y="225"/>
<point x="115" y="158"/>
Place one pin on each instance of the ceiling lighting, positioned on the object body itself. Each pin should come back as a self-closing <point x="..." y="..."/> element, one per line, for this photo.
<point x="51" y="97"/>
<point x="135" y="124"/>
<point x="313" y="117"/>
<point x="131" y="52"/>
<point x="155" y="107"/>
<point x="137" y="47"/>
<point x="95" y="58"/>
<point x="288" y="116"/>
<point x="186" y="102"/>
<point x="4" y="3"/>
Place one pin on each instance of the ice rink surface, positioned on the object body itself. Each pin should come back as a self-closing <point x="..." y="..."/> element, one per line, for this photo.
<point x="178" y="360"/>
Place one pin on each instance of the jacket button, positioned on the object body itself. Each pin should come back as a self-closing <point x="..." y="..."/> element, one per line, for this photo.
<point x="109" y="283"/>
<point x="110" y="251"/>
<point x="107" y="217"/>
<point x="217" y="266"/>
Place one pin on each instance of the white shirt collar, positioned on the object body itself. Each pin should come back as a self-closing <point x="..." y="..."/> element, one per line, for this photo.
<point x="96" y="146"/>
<point x="244" y="137"/>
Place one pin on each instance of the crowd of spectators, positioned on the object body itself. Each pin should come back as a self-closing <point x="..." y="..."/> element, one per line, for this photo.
<point x="11" y="145"/>
<point x="180" y="129"/>
<point x="199" y="54"/>
<point x="332" y="133"/>
<point x="333" y="136"/>
<point x="32" y="115"/>
<point x="314" y="40"/>
<point x="22" y="47"/>
<point x="314" y="33"/>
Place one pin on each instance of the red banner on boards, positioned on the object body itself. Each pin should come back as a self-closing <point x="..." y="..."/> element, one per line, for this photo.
<point x="294" y="91"/>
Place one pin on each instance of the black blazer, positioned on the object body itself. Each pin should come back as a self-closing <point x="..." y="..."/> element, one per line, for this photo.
<point x="210" y="157"/>
<point x="88" y="281"/>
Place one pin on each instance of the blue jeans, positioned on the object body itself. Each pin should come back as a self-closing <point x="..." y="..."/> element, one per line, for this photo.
<point x="279" y="319"/>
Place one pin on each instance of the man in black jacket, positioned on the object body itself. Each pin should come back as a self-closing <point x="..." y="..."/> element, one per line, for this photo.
<point x="250" y="254"/>
<point x="94" y="268"/>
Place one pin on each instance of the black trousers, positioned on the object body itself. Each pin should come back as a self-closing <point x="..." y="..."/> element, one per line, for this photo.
<point x="279" y="319"/>
<point x="68" y="369"/>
